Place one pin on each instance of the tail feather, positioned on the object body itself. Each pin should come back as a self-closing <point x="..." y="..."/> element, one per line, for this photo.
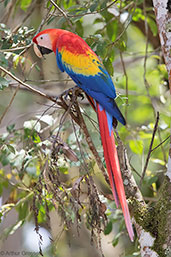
<point x="107" y="158"/>
<point x="112" y="165"/>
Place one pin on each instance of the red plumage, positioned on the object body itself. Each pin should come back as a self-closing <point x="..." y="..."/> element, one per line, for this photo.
<point x="113" y="167"/>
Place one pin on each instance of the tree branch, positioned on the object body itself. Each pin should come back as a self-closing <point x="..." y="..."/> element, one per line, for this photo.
<point x="150" y="148"/>
<point x="138" y="207"/>
<point x="62" y="12"/>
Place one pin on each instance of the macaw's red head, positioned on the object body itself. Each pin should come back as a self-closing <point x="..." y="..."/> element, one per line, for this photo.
<point x="45" y="41"/>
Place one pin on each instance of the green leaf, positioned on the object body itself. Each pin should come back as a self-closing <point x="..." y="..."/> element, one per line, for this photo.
<point x="1" y="216"/>
<point x="3" y="83"/>
<point x="23" y="199"/>
<point x="138" y="14"/>
<point x="93" y="7"/>
<point x="16" y="60"/>
<point x="109" y="66"/>
<point x="112" y="29"/>
<point x="107" y="15"/>
<point x="3" y="60"/>
<point x="36" y="138"/>
<point x="98" y="20"/>
<point x="61" y="21"/>
<point x="6" y="2"/>
<point x="1" y="191"/>
<point x="10" y="128"/>
<point x="25" y="4"/>
<point x="101" y="49"/>
<point x="122" y="44"/>
<point x="79" y="28"/>
<point x="136" y="146"/>
<point x="41" y="213"/>
<point x="63" y="169"/>
<point x="73" y="7"/>
<point x="144" y="135"/>
<point x="37" y="68"/>
<point x="50" y="20"/>
<point x="108" y="228"/>
<point x="152" y="180"/>
<point x="11" y="230"/>
<point x="163" y="70"/>
<point x="11" y="148"/>
<point x="116" y="239"/>
<point x="49" y="4"/>
<point x="23" y="210"/>
<point x="103" y="4"/>
<point x="153" y="26"/>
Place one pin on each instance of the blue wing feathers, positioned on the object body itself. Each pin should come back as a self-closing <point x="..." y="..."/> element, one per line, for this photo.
<point x="59" y="61"/>
<point x="99" y="86"/>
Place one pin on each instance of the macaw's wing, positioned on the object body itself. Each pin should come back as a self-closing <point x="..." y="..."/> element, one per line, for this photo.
<point x="76" y="58"/>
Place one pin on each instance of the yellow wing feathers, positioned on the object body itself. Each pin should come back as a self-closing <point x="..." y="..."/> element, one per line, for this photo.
<point x="82" y="64"/>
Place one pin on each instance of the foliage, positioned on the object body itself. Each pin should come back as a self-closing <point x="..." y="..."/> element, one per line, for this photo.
<point x="38" y="158"/>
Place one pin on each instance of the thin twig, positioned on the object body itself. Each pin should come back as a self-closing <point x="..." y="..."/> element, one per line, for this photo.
<point x="64" y="116"/>
<point x="126" y="89"/>
<point x="160" y="143"/>
<point x="62" y="12"/>
<point x="15" y="48"/>
<point x="150" y="149"/>
<point x="10" y="103"/>
<point x="49" y="80"/>
<point x="162" y="148"/>
<point x="79" y="146"/>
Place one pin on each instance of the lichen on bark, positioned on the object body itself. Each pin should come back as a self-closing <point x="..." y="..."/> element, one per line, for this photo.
<point x="162" y="219"/>
<point x="156" y="219"/>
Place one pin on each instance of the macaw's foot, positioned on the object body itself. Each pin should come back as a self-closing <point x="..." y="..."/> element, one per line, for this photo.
<point x="71" y="92"/>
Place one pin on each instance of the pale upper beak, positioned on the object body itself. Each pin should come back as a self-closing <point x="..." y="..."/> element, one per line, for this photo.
<point x="40" y="50"/>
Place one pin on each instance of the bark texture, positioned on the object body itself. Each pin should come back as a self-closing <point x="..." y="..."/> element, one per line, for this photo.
<point x="163" y="19"/>
<point x="163" y="207"/>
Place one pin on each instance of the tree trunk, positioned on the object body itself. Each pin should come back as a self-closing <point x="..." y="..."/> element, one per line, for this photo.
<point x="153" y="222"/>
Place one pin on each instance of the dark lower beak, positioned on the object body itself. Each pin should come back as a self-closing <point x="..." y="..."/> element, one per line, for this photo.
<point x="44" y="50"/>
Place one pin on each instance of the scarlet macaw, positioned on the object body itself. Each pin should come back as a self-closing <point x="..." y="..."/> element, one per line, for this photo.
<point x="77" y="59"/>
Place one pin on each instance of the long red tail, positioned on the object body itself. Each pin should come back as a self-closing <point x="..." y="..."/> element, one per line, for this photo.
<point x="112" y="164"/>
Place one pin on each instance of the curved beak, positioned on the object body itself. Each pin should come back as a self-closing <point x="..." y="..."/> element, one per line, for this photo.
<point x="40" y="50"/>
